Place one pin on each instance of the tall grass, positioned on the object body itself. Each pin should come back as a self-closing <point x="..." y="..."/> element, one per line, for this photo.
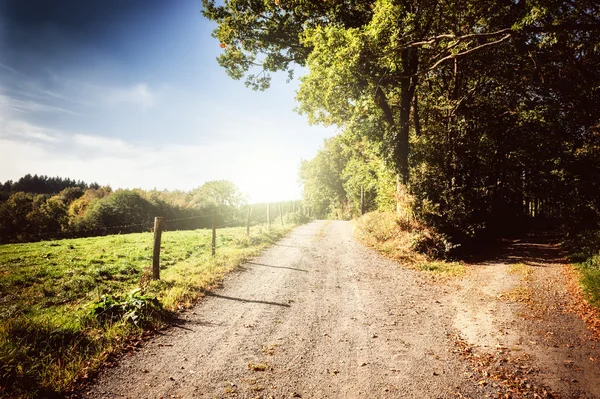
<point x="590" y="279"/>
<point x="407" y="241"/>
<point x="51" y="294"/>
<point x="584" y="253"/>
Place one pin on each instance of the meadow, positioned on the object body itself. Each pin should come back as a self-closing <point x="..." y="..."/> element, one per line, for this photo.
<point x="67" y="305"/>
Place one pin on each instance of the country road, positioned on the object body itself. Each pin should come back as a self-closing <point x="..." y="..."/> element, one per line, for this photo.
<point x="318" y="315"/>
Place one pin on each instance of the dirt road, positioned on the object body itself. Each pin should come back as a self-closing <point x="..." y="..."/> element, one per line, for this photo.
<point x="320" y="316"/>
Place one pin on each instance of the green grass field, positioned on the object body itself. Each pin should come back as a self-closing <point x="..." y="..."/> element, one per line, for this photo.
<point x="49" y="334"/>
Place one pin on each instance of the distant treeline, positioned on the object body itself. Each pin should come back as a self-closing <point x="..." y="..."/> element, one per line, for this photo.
<point x="42" y="207"/>
<point x="41" y="185"/>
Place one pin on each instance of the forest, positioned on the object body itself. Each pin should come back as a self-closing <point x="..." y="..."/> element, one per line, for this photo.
<point x="37" y="208"/>
<point x="474" y="118"/>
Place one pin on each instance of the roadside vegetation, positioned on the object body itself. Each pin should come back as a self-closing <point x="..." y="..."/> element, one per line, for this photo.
<point x="585" y="255"/>
<point x="408" y="242"/>
<point x="590" y="279"/>
<point x="67" y="305"/>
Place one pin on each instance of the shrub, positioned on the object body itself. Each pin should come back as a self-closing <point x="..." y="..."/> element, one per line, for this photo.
<point x="401" y="237"/>
<point x="135" y="308"/>
<point x="296" y="218"/>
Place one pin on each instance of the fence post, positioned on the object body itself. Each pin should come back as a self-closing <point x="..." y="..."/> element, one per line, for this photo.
<point x="214" y="235"/>
<point x="280" y="214"/>
<point x="156" y="252"/>
<point x="248" y="221"/>
<point x="269" y="216"/>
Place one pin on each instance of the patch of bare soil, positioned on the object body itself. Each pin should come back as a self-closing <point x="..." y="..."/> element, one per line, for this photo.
<point x="517" y="326"/>
<point x="321" y="316"/>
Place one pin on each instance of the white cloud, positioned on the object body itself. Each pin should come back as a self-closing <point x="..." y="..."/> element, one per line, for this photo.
<point x="139" y="95"/>
<point x="18" y="105"/>
<point x="23" y="131"/>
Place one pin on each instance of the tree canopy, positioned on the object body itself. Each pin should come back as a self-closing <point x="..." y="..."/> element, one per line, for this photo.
<point x="487" y="110"/>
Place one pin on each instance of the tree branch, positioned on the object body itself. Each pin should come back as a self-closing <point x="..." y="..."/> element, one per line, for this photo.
<point x="466" y="52"/>
<point x="510" y="31"/>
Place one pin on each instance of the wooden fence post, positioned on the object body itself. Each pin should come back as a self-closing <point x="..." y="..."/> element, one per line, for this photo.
<point x="269" y="216"/>
<point x="280" y="214"/>
<point x="214" y="235"/>
<point x="156" y="252"/>
<point x="248" y="221"/>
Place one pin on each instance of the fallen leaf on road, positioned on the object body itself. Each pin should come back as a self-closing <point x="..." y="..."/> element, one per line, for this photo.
<point x="257" y="366"/>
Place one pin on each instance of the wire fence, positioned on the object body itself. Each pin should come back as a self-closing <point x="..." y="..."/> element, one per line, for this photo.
<point x="160" y="224"/>
<point x="254" y="214"/>
<point x="260" y="214"/>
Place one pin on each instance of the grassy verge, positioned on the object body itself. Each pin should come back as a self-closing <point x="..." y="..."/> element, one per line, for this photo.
<point x="66" y="305"/>
<point x="589" y="272"/>
<point x="406" y="242"/>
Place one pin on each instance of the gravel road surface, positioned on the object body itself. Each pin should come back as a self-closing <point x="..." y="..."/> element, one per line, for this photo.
<point x="318" y="315"/>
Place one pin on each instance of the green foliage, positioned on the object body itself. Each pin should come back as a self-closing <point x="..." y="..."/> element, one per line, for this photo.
<point x="431" y="243"/>
<point x="489" y="112"/>
<point x="408" y="242"/>
<point x="98" y="210"/>
<point x="296" y="218"/>
<point x="584" y="251"/>
<point x="323" y="180"/>
<point x="219" y="196"/>
<point x="260" y="37"/>
<point x="43" y="185"/>
<point x="134" y="307"/>
<point x="345" y="167"/>
<point x="124" y="207"/>
<point x="590" y="279"/>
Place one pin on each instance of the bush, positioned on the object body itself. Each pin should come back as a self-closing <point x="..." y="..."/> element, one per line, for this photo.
<point x="402" y="238"/>
<point x="590" y="279"/>
<point x="296" y="218"/>
<point x="432" y="244"/>
<point x="135" y="308"/>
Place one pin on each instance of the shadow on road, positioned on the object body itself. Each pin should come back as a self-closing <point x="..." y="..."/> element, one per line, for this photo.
<point x="209" y="293"/>
<point x="538" y="249"/>
<point x="277" y="267"/>
<point x="289" y="246"/>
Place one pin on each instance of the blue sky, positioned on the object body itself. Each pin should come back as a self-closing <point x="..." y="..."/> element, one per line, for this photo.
<point x="128" y="93"/>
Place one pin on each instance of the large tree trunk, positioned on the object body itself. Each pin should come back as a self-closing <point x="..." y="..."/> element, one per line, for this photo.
<point x="401" y="127"/>
<point x="407" y="94"/>
<point x="401" y="145"/>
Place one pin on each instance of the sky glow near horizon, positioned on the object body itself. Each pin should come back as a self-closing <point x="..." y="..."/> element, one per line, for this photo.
<point x="129" y="94"/>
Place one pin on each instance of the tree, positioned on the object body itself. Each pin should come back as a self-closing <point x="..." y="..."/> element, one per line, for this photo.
<point x="122" y="208"/>
<point x="497" y="99"/>
<point x="361" y="54"/>
<point x="14" y="211"/>
<point x="345" y="167"/>
<point x="219" y="196"/>
<point x="323" y="180"/>
<point x="48" y="217"/>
